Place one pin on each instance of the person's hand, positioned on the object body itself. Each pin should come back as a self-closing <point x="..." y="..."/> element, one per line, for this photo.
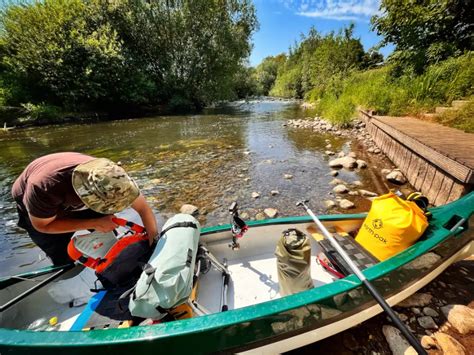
<point x="105" y="224"/>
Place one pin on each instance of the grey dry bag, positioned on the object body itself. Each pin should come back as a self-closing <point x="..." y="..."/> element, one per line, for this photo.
<point x="293" y="254"/>
<point x="167" y="279"/>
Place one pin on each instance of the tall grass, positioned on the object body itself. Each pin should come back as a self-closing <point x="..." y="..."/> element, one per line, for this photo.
<point x="378" y="90"/>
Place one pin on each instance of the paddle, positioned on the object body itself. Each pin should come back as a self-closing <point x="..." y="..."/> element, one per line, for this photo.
<point x="372" y="290"/>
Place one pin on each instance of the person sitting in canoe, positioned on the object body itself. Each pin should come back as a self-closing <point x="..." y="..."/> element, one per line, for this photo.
<point x="59" y="194"/>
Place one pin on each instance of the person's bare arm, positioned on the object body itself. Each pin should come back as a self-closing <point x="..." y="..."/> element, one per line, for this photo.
<point x="54" y="225"/>
<point x="148" y="217"/>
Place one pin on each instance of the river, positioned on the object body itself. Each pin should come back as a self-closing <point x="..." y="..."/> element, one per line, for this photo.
<point x="209" y="160"/>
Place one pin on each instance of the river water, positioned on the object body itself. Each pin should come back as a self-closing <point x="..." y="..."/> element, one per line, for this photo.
<point x="209" y="160"/>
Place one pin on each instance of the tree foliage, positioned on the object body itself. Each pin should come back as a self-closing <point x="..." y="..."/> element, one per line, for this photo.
<point x="108" y="54"/>
<point x="317" y="59"/>
<point x="427" y="31"/>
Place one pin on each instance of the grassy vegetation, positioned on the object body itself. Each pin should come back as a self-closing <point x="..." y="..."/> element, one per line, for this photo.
<point x="462" y="119"/>
<point x="379" y="90"/>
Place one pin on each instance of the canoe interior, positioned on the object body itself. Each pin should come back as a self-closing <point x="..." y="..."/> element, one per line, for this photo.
<point x="253" y="276"/>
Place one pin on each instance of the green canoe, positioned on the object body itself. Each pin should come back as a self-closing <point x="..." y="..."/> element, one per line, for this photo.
<point x="258" y="319"/>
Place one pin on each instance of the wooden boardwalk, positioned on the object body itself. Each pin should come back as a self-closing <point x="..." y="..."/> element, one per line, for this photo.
<point x="437" y="160"/>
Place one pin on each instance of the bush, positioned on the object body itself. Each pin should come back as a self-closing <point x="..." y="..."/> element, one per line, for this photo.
<point x="40" y="113"/>
<point x="462" y="119"/>
<point x="378" y="90"/>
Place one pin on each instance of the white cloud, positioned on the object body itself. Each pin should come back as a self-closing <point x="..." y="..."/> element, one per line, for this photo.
<point x="355" y="10"/>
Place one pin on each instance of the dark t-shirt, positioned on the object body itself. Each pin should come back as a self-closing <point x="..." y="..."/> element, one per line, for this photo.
<point x="45" y="188"/>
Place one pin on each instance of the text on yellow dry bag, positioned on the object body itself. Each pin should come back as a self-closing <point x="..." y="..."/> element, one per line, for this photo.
<point x="391" y="226"/>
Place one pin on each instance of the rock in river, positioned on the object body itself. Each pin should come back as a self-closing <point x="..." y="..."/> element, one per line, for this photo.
<point x="255" y="195"/>
<point x="274" y="192"/>
<point x="288" y="176"/>
<point x="345" y="162"/>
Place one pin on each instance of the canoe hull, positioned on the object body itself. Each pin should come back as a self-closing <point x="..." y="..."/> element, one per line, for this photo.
<point x="282" y="324"/>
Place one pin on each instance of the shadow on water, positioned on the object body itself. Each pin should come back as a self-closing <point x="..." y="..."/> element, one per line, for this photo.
<point x="208" y="160"/>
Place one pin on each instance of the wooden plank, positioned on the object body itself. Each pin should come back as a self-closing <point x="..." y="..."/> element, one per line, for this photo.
<point x="428" y="181"/>
<point x="412" y="171"/>
<point x="397" y="154"/>
<point x="456" y="192"/>
<point x="421" y="175"/>
<point x="406" y="160"/>
<point x="435" y="186"/>
<point x="444" y="191"/>
<point x="454" y="168"/>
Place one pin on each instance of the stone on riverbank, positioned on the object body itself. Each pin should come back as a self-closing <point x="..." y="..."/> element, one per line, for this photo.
<point x="416" y="300"/>
<point x="330" y="204"/>
<point x="344" y="162"/>
<point x="270" y="212"/>
<point x="427" y="322"/>
<point x="460" y="317"/>
<point x="189" y="209"/>
<point x="449" y="345"/>
<point x="340" y="189"/>
<point x="430" y="312"/>
<point x="428" y="342"/>
<point x="397" y="342"/>
<point x="396" y="177"/>
<point x="346" y="204"/>
<point x="361" y="164"/>
<point x="366" y="193"/>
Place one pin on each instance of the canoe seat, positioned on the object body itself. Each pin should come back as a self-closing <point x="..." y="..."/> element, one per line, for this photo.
<point x="361" y="257"/>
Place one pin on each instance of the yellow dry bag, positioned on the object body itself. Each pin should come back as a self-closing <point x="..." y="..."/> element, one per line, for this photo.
<point x="391" y="226"/>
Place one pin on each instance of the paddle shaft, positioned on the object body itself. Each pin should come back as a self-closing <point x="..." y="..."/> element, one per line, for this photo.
<point x="372" y="290"/>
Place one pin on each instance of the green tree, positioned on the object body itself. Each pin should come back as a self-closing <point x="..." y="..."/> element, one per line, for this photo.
<point x="84" y="54"/>
<point x="427" y="31"/>
<point x="266" y="72"/>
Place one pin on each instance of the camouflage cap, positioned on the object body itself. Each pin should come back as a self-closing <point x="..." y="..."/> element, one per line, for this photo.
<point x="104" y="186"/>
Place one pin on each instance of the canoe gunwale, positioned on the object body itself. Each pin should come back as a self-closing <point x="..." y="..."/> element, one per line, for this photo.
<point x="16" y="339"/>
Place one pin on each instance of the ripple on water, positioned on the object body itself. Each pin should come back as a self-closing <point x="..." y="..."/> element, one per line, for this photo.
<point x="208" y="160"/>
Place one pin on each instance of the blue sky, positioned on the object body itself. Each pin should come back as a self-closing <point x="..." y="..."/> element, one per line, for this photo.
<point x="282" y="22"/>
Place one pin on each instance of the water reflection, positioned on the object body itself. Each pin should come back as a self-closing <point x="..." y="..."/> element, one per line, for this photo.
<point x="208" y="160"/>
